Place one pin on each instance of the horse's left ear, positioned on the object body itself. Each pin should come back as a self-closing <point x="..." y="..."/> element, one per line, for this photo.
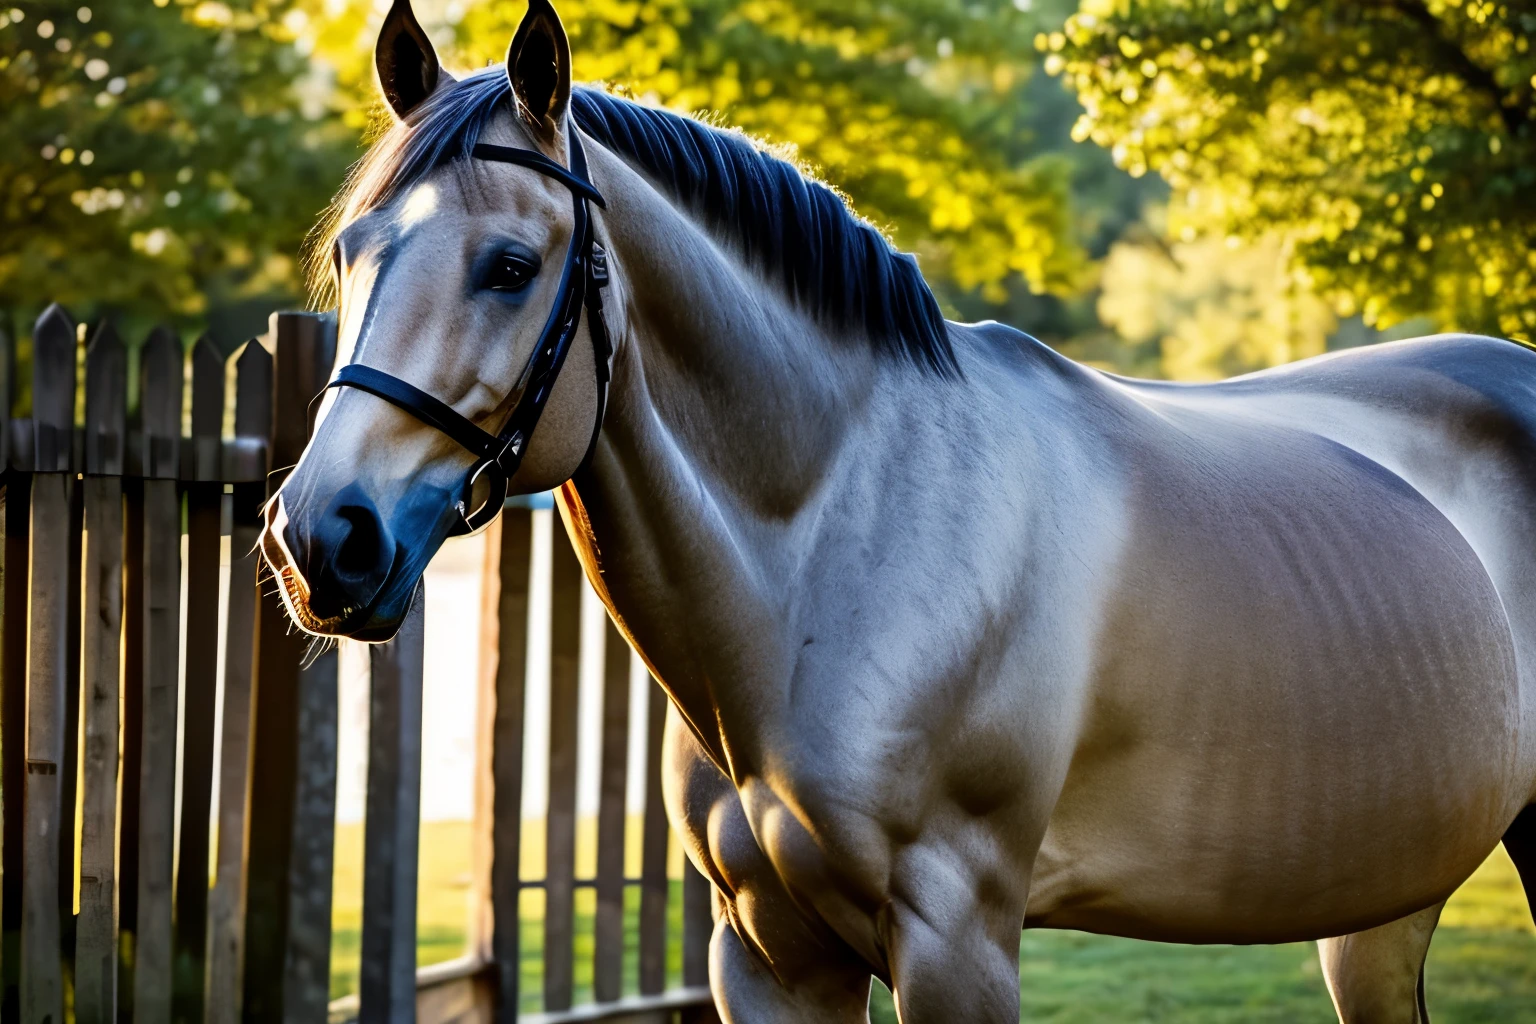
<point x="539" y="68"/>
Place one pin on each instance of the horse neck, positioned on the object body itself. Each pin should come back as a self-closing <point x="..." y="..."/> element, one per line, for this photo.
<point x="729" y="412"/>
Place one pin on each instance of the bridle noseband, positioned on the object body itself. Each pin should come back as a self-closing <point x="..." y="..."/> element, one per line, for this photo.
<point x="582" y="279"/>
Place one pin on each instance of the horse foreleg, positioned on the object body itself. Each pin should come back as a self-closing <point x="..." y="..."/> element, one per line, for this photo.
<point x="954" y="951"/>
<point x="1377" y="976"/>
<point x="748" y="991"/>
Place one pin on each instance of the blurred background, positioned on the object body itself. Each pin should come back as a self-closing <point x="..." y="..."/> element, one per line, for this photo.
<point x="1186" y="189"/>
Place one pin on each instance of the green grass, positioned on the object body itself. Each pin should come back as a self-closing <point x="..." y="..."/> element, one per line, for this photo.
<point x="1482" y="965"/>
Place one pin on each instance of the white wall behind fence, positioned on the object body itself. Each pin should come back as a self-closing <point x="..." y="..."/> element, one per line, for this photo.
<point x="449" y="702"/>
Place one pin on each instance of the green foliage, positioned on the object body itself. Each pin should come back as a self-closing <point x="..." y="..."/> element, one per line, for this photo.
<point x="168" y="156"/>
<point x="916" y="109"/>
<point x="1390" y="141"/>
<point x="156" y="158"/>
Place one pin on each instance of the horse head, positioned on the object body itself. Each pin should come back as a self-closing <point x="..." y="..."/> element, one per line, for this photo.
<point x="459" y="285"/>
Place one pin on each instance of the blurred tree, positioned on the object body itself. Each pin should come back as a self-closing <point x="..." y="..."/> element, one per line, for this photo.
<point x="157" y="154"/>
<point x="1211" y="308"/>
<point x="1391" y="142"/>
<point x="171" y="158"/>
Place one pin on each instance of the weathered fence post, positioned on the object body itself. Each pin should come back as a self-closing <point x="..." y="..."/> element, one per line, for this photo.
<point x="226" y="902"/>
<point x="160" y="380"/>
<point x="202" y="467"/>
<point x="499" y="775"/>
<point x="387" y="986"/>
<point x="560" y="822"/>
<point x="13" y="698"/>
<point x="106" y="429"/>
<point x="53" y="417"/>
<point x="653" y="855"/>
<point x="292" y="809"/>
<point x="608" y="928"/>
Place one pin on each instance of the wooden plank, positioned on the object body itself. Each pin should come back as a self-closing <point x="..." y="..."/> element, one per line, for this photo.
<point x="200" y="670"/>
<point x="307" y="963"/>
<point x="132" y="741"/>
<point x="387" y="985"/>
<point x="608" y="928"/>
<point x="499" y="775"/>
<point x="160" y="388"/>
<point x="13" y="713"/>
<point x="69" y="766"/>
<point x="560" y="820"/>
<point x="287" y="922"/>
<point x="53" y="409"/>
<point x="653" y="854"/>
<point x="42" y="985"/>
<point x="16" y="492"/>
<point x="106" y="377"/>
<point x="226" y="901"/>
<point x="698" y="925"/>
<point x="7" y="375"/>
<point x="53" y="390"/>
<point x="279" y="650"/>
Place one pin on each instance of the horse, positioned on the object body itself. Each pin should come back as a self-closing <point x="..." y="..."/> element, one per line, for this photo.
<point x="960" y="637"/>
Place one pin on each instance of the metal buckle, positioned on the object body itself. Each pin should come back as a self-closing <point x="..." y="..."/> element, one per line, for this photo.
<point x="599" y="265"/>
<point x="515" y="446"/>
<point x="472" y="521"/>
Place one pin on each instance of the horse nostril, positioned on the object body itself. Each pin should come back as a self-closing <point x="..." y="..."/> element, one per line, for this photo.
<point x="362" y="548"/>
<point x="351" y="552"/>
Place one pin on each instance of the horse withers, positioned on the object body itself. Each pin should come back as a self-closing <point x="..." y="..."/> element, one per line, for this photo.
<point x="961" y="637"/>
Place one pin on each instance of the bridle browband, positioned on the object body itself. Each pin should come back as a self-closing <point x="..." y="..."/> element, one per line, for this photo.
<point x="582" y="279"/>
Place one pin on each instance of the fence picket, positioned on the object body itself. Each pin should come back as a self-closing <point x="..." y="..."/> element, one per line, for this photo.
<point x="13" y="711"/>
<point x="698" y="925"/>
<point x="387" y="986"/>
<point x="13" y="659"/>
<point x="160" y="382"/>
<point x="91" y="624"/>
<point x="200" y="667"/>
<point x="53" y="405"/>
<point x="69" y="767"/>
<point x="560" y="818"/>
<point x="499" y="779"/>
<point x="608" y="927"/>
<point x="106" y="381"/>
<point x="226" y="900"/>
<point x="131" y="766"/>
<point x="653" y="854"/>
<point x="292" y="807"/>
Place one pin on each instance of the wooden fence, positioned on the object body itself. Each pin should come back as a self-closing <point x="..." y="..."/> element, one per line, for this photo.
<point x="107" y="640"/>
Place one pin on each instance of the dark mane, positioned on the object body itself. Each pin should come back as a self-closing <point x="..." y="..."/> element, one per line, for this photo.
<point x="797" y="231"/>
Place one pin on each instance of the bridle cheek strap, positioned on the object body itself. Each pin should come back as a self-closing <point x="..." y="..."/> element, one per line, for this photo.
<point x="582" y="278"/>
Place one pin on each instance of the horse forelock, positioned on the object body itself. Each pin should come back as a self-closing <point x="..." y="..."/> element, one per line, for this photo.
<point x="797" y="231"/>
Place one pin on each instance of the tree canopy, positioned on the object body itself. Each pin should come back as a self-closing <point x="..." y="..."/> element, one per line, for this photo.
<point x="1390" y="143"/>
<point x="171" y="154"/>
<point x="158" y="156"/>
<point x="916" y="109"/>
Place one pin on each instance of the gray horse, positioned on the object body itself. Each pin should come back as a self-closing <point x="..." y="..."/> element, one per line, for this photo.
<point x="961" y="637"/>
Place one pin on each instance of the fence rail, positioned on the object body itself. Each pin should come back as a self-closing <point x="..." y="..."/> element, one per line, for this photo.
<point x="112" y="655"/>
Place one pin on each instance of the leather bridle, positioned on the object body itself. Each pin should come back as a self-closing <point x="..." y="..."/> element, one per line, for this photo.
<point x="582" y="279"/>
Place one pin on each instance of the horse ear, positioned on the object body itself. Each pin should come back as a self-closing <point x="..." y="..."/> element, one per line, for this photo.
<point x="407" y="63"/>
<point x="539" y="68"/>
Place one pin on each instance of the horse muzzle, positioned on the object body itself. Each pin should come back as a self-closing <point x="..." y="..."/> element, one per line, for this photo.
<point x="341" y="572"/>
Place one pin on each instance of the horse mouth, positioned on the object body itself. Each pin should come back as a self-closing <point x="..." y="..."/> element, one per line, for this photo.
<point x="296" y="597"/>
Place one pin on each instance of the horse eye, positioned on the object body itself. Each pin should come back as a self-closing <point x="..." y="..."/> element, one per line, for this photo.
<point x="510" y="272"/>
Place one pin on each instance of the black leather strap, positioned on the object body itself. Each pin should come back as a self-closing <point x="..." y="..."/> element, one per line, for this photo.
<point x="541" y="163"/>
<point x="582" y="277"/>
<point x="419" y="404"/>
